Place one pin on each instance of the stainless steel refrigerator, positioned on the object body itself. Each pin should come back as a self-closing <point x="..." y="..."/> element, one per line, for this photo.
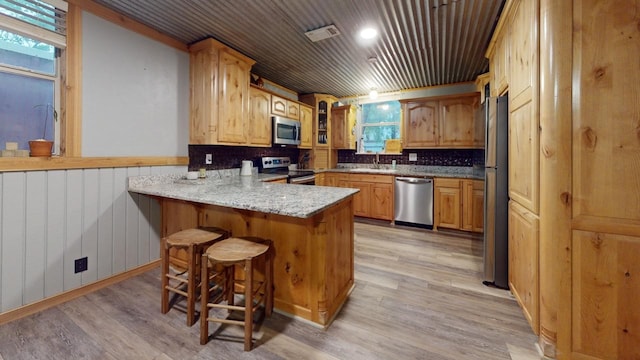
<point x="496" y="193"/>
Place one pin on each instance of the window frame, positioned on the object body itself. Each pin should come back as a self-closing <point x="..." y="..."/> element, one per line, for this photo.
<point x="361" y="126"/>
<point x="57" y="38"/>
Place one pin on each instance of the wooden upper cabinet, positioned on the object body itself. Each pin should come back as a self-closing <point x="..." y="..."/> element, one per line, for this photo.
<point x="286" y="108"/>
<point x="278" y="106"/>
<point x="343" y="122"/>
<point x="293" y="110"/>
<point x="447" y="122"/>
<point x="306" y="126"/>
<point x="259" y="118"/>
<point x="458" y="121"/>
<point x="420" y="123"/>
<point x="219" y="97"/>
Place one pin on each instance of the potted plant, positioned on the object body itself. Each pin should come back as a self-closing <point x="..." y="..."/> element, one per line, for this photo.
<point x="42" y="146"/>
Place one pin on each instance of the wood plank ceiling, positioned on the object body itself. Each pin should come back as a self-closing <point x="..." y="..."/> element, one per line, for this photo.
<point x="421" y="42"/>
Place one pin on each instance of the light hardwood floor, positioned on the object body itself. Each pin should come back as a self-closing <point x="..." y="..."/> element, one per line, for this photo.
<point x="417" y="295"/>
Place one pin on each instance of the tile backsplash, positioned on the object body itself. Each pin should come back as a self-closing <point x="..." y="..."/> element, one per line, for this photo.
<point x="228" y="157"/>
<point x="432" y="157"/>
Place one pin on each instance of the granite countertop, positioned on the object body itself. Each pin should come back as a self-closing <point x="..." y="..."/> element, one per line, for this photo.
<point x="253" y="193"/>
<point x="461" y="172"/>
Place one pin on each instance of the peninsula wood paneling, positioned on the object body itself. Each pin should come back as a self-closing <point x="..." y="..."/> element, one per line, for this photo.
<point x="48" y="219"/>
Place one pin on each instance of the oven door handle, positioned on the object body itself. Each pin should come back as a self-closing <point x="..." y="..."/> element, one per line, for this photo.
<point x="302" y="179"/>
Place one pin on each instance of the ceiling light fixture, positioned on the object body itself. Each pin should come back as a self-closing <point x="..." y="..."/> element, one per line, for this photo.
<point x="368" y="33"/>
<point x="373" y="94"/>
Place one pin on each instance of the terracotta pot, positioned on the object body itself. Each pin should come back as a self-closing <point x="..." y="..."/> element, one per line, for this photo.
<point x="41" y="147"/>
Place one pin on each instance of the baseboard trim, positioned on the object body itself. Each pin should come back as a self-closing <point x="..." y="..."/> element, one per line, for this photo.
<point x="55" y="300"/>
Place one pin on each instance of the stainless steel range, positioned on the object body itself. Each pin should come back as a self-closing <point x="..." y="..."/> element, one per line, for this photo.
<point x="280" y="165"/>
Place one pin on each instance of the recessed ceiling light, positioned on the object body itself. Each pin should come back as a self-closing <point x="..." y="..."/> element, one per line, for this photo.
<point x="368" y="33"/>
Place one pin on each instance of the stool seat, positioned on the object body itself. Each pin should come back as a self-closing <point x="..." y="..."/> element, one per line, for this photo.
<point x="196" y="236"/>
<point x="181" y="256"/>
<point x="219" y="282"/>
<point x="235" y="250"/>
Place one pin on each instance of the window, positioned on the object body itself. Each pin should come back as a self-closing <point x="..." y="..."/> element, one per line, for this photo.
<point x="29" y="70"/>
<point x="379" y="122"/>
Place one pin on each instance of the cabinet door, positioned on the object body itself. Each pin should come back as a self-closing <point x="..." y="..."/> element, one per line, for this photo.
<point x="457" y="121"/>
<point x="233" y="93"/>
<point x="259" y="119"/>
<point x="306" y="127"/>
<point x="382" y="201"/>
<point x="448" y="204"/>
<point x="477" y="203"/>
<point x="467" y="208"/>
<point x="293" y="110"/>
<point x="278" y="106"/>
<point x="420" y="124"/>
<point x="338" y="128"/>
<point x="320" y="158"/>
<point x="361" y="199"/>
<point x="472" y="205"/>
<point x="523" y="261"/>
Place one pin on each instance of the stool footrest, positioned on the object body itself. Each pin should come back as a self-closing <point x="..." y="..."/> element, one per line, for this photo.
<point x="226" y="321"/>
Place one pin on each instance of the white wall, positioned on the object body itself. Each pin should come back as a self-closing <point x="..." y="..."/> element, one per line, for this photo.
<point x="135" y="93"/>
<point x="48" y="219"/>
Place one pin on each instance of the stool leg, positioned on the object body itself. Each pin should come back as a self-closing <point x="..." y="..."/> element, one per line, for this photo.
<point x="269" y="284"/>
<point x="248" y="304"/>
<point x="165" y="280"/>
<point x="191" y="286"/>
<point x="204" y="296"/>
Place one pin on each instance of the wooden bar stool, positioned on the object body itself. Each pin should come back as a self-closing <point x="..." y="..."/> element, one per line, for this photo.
<point x="180" y="271"/>
<point x="219" y="262"/>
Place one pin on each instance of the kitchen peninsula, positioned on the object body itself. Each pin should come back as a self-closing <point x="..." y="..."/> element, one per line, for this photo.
<point x="311" y="228"/>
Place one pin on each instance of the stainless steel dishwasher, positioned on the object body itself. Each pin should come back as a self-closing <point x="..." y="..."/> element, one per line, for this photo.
<point x="414" y="201"/>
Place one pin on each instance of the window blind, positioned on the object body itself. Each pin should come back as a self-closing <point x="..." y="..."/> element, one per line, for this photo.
<point x="43" y="20"/>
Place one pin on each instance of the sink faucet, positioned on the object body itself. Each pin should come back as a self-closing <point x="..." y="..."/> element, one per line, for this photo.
<point x="376" y="161"/>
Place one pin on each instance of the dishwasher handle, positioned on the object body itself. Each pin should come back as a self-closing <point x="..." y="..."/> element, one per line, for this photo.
<point x="414" y="180"/>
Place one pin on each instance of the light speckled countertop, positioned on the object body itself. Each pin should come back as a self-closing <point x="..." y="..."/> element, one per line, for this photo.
<point x="243" y="192"/>
<point x="462" y="172"/>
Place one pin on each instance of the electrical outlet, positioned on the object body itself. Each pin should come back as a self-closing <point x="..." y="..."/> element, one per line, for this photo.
<point x="81" y="265"/>
<point x="413" y="157"/>
<point x="208" y="159"/>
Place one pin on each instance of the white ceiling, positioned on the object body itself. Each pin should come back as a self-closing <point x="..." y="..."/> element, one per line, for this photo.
<point x="421" y="42"/>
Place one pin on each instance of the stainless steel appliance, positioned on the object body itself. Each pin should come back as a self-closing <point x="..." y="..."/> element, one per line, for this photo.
<point x="413" y="201"/>
<point x="496" y="193"/>
<point x="280" y="165"/>
<point x="285" y="131"/>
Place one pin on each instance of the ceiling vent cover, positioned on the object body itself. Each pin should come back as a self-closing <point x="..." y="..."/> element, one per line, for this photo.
<point x="322" y="33"/>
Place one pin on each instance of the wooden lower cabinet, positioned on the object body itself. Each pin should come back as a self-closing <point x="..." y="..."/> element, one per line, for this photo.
<point x="523" y="261"/>
<point x="381" y="206"/>
<point x="459" y="204"/>
<point x="375" y="199"/>
<point x="473" y="205"/>
<point x="448" y="204"/>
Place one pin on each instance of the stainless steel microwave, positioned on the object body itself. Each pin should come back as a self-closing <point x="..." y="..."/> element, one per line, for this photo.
<point x="286" y="131"/>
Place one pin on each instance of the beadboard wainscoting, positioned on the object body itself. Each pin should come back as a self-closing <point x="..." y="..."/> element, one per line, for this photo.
<point x="48" y="219"/>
